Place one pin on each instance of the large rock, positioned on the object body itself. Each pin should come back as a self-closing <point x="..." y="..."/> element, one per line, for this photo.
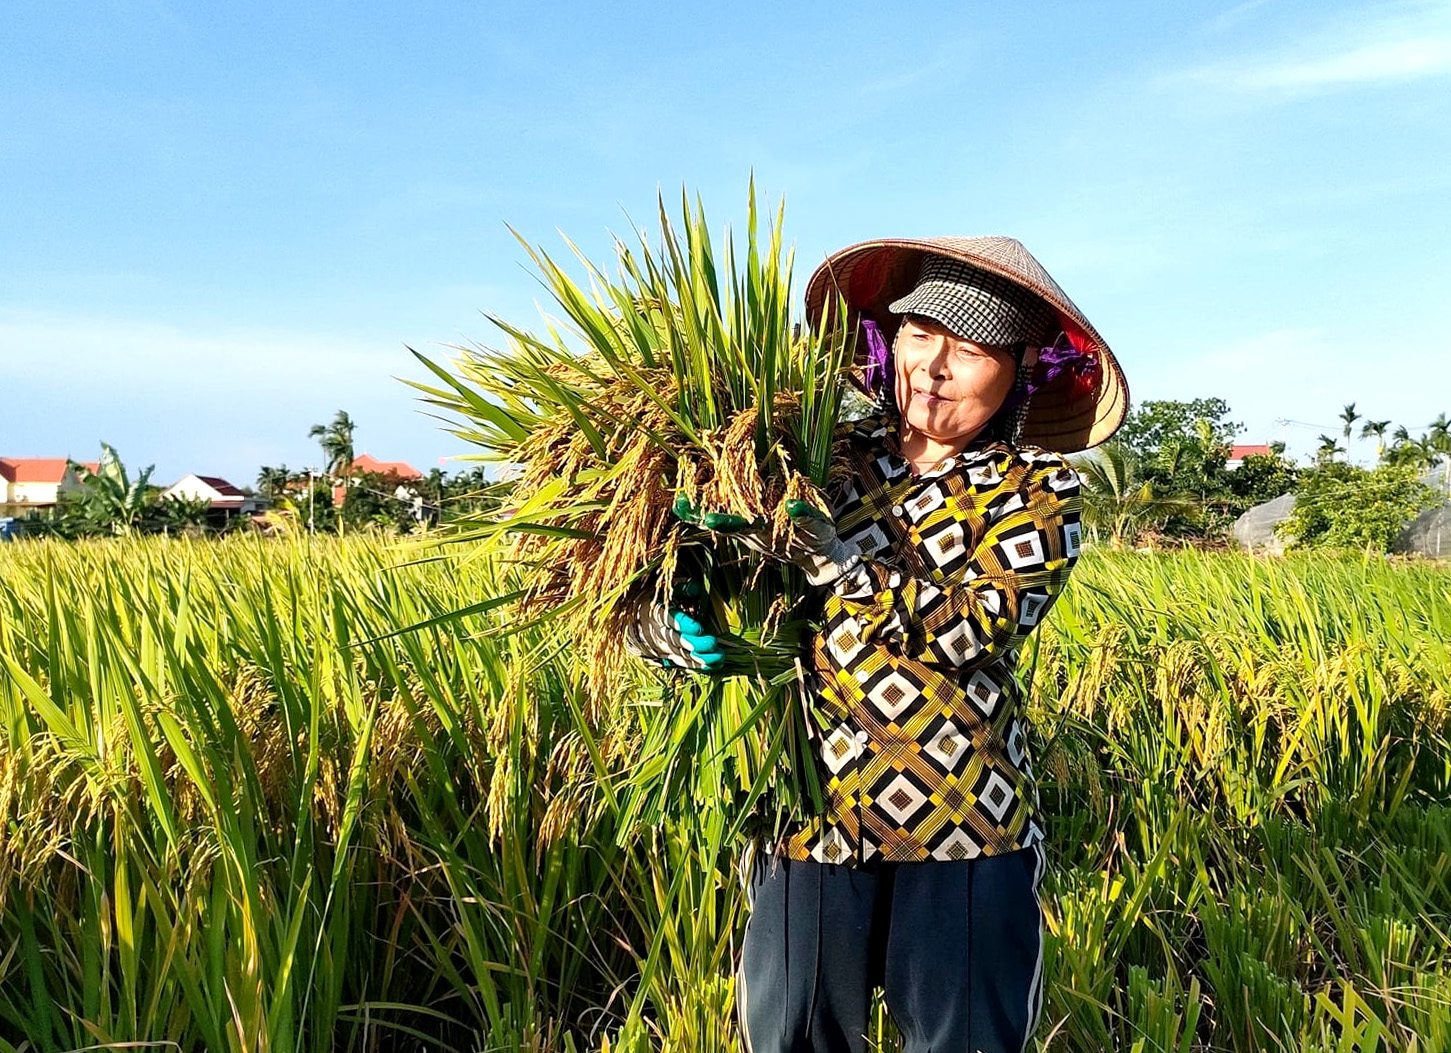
<point x="1255" y="529"/>
<point x="1429" y="534"/>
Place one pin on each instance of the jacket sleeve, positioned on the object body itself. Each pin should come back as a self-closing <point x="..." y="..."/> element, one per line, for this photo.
<point x="1008" y="584"/>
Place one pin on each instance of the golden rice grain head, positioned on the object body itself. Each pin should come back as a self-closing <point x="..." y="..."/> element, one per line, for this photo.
<point x="634" y="524"/>
<point x="737" y="485"/>
<point x="561" y="815"/>
<point x="1087" y="689"/>
<point x="499" y="799"/>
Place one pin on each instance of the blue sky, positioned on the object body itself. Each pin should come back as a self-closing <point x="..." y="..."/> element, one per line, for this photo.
<point x="220" y="223"/>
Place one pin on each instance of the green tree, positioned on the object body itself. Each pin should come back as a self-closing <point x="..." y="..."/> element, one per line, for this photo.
<point x="272" y="483"/>
<point x="1376" y="428"/>
<point x="1348" y="416"/>
<point x="1157" y="422"/>
<point x="1418" y="453"/>
<point x="1263" y="477"/>
<point x="371" y="500"/>
<point x="177" y="514"/>
<point x="1118" y="503"/>
<point x="315" y="507"/>
<point x="336" y="440"/>
<point x="472" y="492"/>
<point x="1183" y="449"/>
<point x="1431" y="449"/>
<point x="1328" y="448"/>
<point x="109" y="500"/>
<point x="1343" y="505"/>
<point x="1438" y="433"/>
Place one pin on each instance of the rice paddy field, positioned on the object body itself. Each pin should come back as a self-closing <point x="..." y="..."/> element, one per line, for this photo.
<point x="269" y="795"/>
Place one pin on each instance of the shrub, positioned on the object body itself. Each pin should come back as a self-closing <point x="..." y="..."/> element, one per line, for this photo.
<point x="1344" y="505"/>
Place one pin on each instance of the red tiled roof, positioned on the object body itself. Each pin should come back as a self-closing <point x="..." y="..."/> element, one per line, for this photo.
<point x="221" y="486"/>
<point x="366" y="462"/>
<point x="38" y="469"/>
<point x="1241" y="452"/>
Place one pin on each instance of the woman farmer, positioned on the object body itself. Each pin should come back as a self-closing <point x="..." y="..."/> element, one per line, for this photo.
<point x="951" y="535"/>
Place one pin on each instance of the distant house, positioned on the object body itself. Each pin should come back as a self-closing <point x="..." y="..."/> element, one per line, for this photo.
<point x="398" y="473"/>
<point x="225" y="499"/>
<point x="1237" y="454"/>
<point x="30" y="483"/>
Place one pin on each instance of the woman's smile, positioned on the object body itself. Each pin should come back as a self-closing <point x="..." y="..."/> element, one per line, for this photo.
<point x="928" y="398"/>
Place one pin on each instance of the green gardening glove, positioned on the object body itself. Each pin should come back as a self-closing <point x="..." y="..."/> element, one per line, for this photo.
<point x="671" y="637"/>
<point x="812" y="543"/>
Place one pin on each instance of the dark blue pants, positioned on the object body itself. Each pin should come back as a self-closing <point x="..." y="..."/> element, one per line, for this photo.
<point x="956" y="948"/>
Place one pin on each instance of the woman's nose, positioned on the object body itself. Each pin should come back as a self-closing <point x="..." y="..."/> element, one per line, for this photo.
<point x="937" y="361"/>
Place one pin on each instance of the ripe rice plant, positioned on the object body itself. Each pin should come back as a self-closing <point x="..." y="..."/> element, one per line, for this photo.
<point x="242" y="809"/>
<point x="683" y="379"/>
<point x="242" y="812"/>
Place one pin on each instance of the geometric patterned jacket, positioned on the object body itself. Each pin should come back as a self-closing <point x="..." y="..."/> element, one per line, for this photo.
<point x="914" y="700"/>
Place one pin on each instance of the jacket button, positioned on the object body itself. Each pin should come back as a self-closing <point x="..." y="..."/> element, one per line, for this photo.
<point x="897" y="510"/>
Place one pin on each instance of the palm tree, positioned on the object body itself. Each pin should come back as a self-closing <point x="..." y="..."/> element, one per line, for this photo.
<point x="1116" y="501"/>
<point x="336" y="440"/>
<point x="1419" y="453"/>
<point x="181" y="513"/>
<point x="1378" y="429"/>
<point x="1328" y="448"/>
<point x="1349" y="416"/>
<point x="1438" y="437"/>
<point x="272" y="482"/>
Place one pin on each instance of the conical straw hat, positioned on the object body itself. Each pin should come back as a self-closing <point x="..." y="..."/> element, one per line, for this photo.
<point x="1061" y="416"/>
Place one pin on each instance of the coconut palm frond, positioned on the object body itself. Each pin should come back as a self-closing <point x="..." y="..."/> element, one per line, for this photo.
<point x="1118" y="503"/>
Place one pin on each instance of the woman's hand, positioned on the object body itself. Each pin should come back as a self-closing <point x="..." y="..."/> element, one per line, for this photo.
<point x="671" y="637"/>
<point x="811" y="542"/>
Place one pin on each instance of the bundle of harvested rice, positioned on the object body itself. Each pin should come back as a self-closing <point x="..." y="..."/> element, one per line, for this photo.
<point x="678" y="379"/>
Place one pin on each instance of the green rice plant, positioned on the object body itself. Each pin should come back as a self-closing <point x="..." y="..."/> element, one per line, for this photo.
<point x="265" y="794"/>
<point x="1427" y="1013"/>
<point x="1155" y="1015"/>
<point x="244" y="812"/>
<point x="683" y="381"/>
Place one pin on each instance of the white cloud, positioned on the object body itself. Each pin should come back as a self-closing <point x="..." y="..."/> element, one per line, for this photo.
<point x="1235" y="15"/>
<point x="931" y="72"/>
<point x="1396" y="60"/>
<point x="1395" y="43"/>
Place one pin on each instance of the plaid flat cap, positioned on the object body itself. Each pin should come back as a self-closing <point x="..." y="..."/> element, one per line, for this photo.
<point x="977" y="305"/>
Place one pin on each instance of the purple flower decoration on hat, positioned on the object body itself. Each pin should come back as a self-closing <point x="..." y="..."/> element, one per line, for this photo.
<point x="1062" y="358"/>
<point x="1053" y="362"/>
<point x="878" y="354"/>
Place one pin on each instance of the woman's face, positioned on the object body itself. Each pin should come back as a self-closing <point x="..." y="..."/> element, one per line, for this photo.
<point x="948" y="388"/>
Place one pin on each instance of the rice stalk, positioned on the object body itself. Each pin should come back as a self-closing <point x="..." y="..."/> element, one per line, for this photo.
<point x="683" y="377"/>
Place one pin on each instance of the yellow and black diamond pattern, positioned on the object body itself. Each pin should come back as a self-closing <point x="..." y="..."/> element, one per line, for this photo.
<point x="921" y="740"/>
